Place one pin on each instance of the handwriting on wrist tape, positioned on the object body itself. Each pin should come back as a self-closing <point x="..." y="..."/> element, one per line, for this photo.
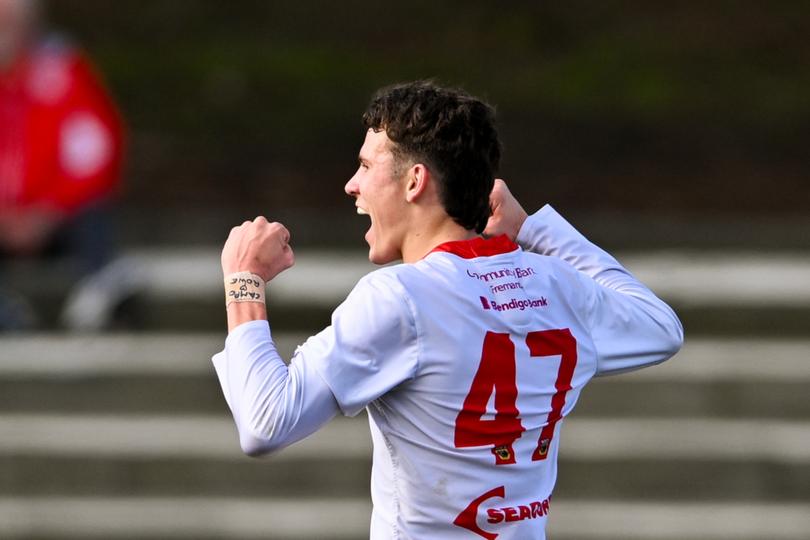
<point x="244" y="287"/>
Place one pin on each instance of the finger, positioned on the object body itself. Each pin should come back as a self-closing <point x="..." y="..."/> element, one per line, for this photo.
<point x="491" y="228"/>
<point x="282" y="231"/>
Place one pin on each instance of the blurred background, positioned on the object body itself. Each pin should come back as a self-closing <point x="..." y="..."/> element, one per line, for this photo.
<point x="673" y="135"/>
<point x="693" y="114"/>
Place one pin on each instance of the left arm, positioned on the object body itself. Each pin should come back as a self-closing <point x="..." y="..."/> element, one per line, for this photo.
<point x="631" y="327"/>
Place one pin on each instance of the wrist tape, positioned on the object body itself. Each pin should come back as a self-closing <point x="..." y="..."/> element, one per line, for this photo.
<point x="244" y="287"/>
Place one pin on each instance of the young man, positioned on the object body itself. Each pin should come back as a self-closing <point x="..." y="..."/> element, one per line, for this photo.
<point x="468" y="355"/>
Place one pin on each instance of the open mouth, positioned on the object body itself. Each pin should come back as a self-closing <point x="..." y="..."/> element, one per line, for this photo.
<point x="363" y="212"/>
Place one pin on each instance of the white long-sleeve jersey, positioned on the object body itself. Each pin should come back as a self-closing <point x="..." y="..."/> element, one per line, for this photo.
<point x="467" y="362"/>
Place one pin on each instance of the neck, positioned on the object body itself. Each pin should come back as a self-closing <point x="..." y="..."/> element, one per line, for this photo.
<point x="421" y="241"/>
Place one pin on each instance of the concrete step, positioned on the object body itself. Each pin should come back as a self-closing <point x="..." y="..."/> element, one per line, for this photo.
<point x="717" y="292"/>
<point x="38" y="475"/>
<point x="679" y="459"/>
<point x="677" y="479"/>
<point x="323" y="277"/>
<point x="715" y="399"/>
<point x="733" y="378"/>
<point x="207" y="314"/>
<point x="645" y="519"/>
<point x="172" y="373"/>
<point x="618" y="397"/>
<point x="198" y="518"/>
<point x="203" y="518"/>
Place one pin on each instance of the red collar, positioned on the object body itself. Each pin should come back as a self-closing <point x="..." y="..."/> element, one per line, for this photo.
<point x="477" y="247"/>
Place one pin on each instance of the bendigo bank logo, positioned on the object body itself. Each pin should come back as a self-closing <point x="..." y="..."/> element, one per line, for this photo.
<point x="514" y="303"/>
<point x="468" y="518"/>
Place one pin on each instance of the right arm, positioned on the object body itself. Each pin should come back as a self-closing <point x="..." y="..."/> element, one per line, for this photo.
<point x="272" y="404"/>
<point x="369" y="348"/>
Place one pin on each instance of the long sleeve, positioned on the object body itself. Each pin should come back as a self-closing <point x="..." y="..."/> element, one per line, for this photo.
<point x="273" y="405"/>
<point x="631" y="327"/>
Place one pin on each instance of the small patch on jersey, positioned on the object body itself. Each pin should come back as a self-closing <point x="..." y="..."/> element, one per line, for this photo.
<point x="503" y="454"/>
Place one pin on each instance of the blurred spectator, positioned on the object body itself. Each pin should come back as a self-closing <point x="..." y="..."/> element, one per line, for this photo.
<point x="61" y="143"/>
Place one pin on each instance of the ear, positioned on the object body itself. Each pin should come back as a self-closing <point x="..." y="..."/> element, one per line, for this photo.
<point x="419" y="179"/>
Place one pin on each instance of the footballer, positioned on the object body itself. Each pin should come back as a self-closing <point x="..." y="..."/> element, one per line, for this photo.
<point x="468" y="355"/>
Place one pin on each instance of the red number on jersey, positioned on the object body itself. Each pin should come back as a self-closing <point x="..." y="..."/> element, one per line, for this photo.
<point x="497" y="373"/>
<point x="553" y="343"/>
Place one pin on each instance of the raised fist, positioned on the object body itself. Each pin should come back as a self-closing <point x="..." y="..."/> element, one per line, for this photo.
<point x="258" y="246"/>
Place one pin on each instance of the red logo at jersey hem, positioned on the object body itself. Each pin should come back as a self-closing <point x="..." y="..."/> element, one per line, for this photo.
<point x="467" y="519"/>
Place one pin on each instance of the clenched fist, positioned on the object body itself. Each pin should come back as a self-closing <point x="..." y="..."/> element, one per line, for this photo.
<point x="507" y="213"/>
<point x="259" y="247"/>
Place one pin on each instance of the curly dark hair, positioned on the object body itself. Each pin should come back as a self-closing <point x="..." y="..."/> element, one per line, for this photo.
<point x="449" y="131"/>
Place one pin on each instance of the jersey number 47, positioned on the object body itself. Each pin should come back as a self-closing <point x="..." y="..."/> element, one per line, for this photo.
<point x="497" y="373"/>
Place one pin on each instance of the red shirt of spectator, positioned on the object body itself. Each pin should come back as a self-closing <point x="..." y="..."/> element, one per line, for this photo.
<point x="61" y="136"/>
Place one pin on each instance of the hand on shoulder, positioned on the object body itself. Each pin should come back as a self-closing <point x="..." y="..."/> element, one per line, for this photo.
<point x="507" y="213"/>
